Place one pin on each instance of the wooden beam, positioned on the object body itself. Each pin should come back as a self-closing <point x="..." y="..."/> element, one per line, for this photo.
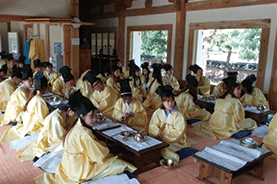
<point x="48" y="20"/>
<point x="9" y="18"/>
<point x="151" y="11"/>
<point x="215" y="4"/>
<point x="262" y="58"/>
<point x="179" y="41"/>
<point x="257" y="23"/>
<point x="273" y="82"/>
<point x="74" y="8"/>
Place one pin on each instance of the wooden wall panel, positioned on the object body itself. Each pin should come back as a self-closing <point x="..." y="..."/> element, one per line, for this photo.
<point x="121" y="37"/>
<point x="67" y="45"/>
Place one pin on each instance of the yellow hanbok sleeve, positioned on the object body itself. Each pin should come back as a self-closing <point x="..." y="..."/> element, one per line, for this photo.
<point x="115" y="85"/>
<point x="219" y="90"/>
<point x="85" y="87"/>
<point x="270" y="141"/>
<point x="205" y="88"/>
<point x="7" y="88"/>
<point x="58" y="86"/>
<point x="138" y="91"/>
<point x="260" y="97"/>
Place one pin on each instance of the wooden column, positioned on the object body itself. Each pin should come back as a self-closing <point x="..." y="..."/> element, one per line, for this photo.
<point x="9" y="26"/>
<point x="273" y="82"/>
<point x="47" y="33"/>
<point x="121" y="36"/>
<point x="179" y="40"/>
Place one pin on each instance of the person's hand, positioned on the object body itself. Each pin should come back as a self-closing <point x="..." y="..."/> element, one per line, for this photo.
<point x="163" y="126"/>
<point x="68" y="89"/>
<point x="131" y="114"/>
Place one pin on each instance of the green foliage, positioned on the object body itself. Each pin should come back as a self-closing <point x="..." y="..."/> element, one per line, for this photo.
<point x="154" y="43"/>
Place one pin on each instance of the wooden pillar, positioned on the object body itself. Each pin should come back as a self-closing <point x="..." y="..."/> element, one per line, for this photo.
<point x="179" y="40"/>
<point x="9" y="26"/>
<point x="47" y="33"/>
<point x="273" y="82"/>
<point x="74" y="8"/>
<point x="121" y="36"/>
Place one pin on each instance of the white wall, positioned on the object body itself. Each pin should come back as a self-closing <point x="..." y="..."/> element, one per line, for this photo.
<point x="239" y="13"/>
<point x="56" y="35"/>
<point x="49" y="8"/>
<point x="19" y="28"/>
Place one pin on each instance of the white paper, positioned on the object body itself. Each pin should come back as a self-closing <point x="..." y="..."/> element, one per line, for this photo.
<point x="115" y="179"/>
<point x="254" y="109"/>
<point x="108" y="123"/>
<point x="24" y="142"/>
<point x="75" y="41"/>
<point x="50" y="161"/>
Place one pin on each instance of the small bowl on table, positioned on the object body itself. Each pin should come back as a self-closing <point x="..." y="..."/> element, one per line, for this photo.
<point x="248" y="142"/>
<point x="140" y="136"/>
<point x="168" y="163"/>
<point x="100" y="118"/>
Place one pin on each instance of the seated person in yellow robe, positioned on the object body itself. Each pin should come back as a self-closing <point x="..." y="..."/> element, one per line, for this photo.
<point x="129" y="110"/>
<point x="169" y="79"/>
<point x="252" y="95"/>
<point x="104" y="97"/>
<point x="21" y="62"/>
<point x="65" y="84"/>
<point x="123" y="72"/>
<point x="37" y="67"/>
<point x="7" y="87"/>
<point x="112" y="81"/>
<point x="10" y="64"/>
<point x="222" y="87"/>
<point x="168" y="124"/>
<point x="228" y="117"/>
<point x="270" y="141"/>
<point x="18" y="99"/>
<point x="84" y="85"/>
<point x="146" y="75"/>
<point x="51" y="136"/>
<point x="138" y="90"/>
<point x="203" y="82"/>
<point x="107" y="74"/>
<point x="85" y="157"/>
<point x="3" y="72"/>
<point x="186" y="101"/>
<point x="153" y="100"/>
<point x="50" y="75"/>
<point x="35" y="111"/>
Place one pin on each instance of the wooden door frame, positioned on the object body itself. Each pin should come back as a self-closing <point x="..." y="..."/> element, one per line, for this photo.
<point x="264" y="24"/>
<point x="167" y="27"/>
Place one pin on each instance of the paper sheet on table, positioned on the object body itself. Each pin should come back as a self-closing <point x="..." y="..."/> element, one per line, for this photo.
<point x="47" y="94"/>
<point x="115" y="179"/>
<point x="253" y="109"/>
<point x="230" y="154"/>
<point x="261" y="131"/>
<point x="130" y="142"/>
<point x="200" y="97"/>
<point x="50" y="161"/>
<point x="108" y="123"/>
<point x="24" y="142"/>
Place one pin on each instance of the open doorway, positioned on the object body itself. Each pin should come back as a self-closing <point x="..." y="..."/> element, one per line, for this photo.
<point x="149" y="44"/>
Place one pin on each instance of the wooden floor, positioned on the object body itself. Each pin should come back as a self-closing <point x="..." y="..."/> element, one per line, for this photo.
<point x="13" y="171"/>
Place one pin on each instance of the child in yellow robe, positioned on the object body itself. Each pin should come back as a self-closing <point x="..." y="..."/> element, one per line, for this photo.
<point x="253" y="95"/>
<point x="35" y="111"/>
<point x="85" y="157"/>
<point x="3" y="71"/>
<point x="169" y="79"/>
<point x="168" y="124"/>
<point x="138" y="90"/>
<point x="203" y="82"/>
<point x="270" y="141"/>
<point x="51" y="136"/>
<point x="84" y="85"/>
<point x="186" y="102"/>
<point x="11" y="65"/>
<point x="112" y="81"/>
<point x="7" y="88"/>
<point x="146" y="75"/>
<point x="65" y="84"/>
<point x="104" y="97"/>
<point x="50" y="75"/>
<point x="18" y="99"/>
<point x="129" y="110"/>
<point x="228" y="117"/>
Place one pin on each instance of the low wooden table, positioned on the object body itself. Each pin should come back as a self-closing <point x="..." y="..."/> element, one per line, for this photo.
<point x="254" y="168"/>
<point x="260" y="118"/>
<point x="144" y="160"/>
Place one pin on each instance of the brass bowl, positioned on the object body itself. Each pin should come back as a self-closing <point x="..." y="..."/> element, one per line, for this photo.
<point x="168" y="163"/>
<point x="100" y="118"/>
<point x="140" y="136"/>
<point x="127" y="133"/>
<point x="56" y="98"/>
<point x="248" y="145"/>
<point x="261" y="107"/>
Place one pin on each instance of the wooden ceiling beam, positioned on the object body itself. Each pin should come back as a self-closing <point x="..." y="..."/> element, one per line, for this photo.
<point x="215" y="4"/>
<point x="9" y="18"/>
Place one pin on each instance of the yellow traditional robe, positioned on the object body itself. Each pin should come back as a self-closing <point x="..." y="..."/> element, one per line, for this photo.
<point x="204" y="86"/>
<point x="59" y="88"/>
<point x="37" y="51"/>
<point x="189" y="109"/>
<point x="125" y="73"/>
<point x="105" y="102"/>
<point x="7" y="87"/>
<point x="9" y="69"/>
<point x="50" y="138"/>
<point x="85" y="158"/>
<point x="115" y="85"/>
<point x="33" y="118"/>
<point x="144" y="79"/>
<point x="171" y="131"/>
<point x="270" y="141"/>
<point x="257" y="97"/>
<point x="51" y="79"/>
<point x="139" y="121"/>
<point x="15" y="106"/>
<point x="85" y="86"/>
<point x="138" y="91"/>
<point x="153" y="100"/>
<point x="227" y="119"/>
<point x="173" y="83"/>
<point x="103" y="78"/>
<point x="219" y="89"/>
